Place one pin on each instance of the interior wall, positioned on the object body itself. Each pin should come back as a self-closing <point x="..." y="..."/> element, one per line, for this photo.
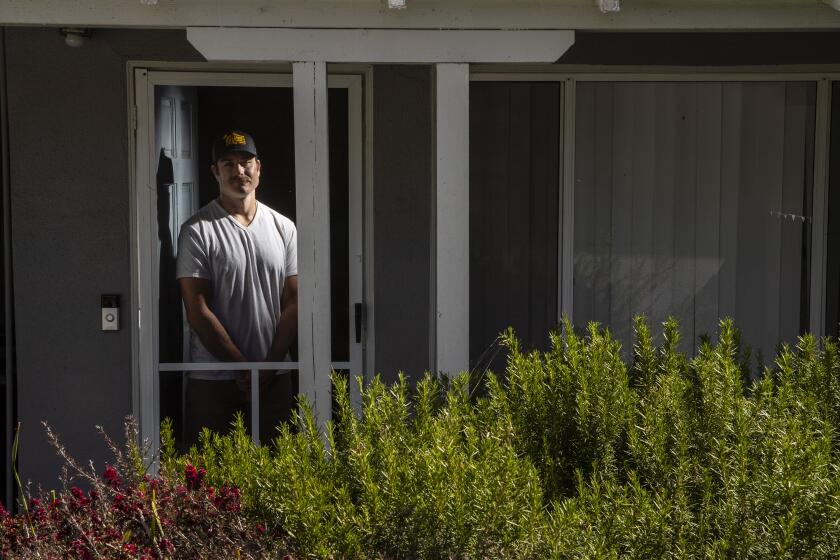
<point x="402" y="218"/>
<point x="70" y="201"/>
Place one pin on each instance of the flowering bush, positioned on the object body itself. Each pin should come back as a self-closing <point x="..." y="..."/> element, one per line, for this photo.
<point x="127" y="514"/>
<point x="572" y="454"/>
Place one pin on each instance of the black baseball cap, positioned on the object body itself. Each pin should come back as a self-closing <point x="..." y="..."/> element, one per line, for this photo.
<point x="233" y="141"/>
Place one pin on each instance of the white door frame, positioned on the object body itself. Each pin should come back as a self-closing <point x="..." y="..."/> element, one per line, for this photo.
<point x="145" y="359"/>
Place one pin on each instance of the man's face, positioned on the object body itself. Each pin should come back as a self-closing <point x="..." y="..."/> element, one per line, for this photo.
<point x="238" y="174"/>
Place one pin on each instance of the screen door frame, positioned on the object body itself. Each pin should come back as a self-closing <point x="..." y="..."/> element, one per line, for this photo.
<point x="144" y="320"/>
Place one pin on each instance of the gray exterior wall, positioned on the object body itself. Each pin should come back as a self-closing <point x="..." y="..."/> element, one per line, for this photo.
<point x="71" y="241"/>
<point x="70" y="233"/>
<point x="402" y="210"/>
<point x="703" y="49"/>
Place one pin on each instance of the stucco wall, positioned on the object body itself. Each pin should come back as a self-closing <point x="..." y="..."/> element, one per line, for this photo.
<point x="70" y="233"/>
<point x="70" y="206"/>
<point x="402" y="210"/>
<point x="704" y="49"/>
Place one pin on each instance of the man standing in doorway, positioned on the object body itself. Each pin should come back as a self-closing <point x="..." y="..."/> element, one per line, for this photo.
<point x="237" y="271"/>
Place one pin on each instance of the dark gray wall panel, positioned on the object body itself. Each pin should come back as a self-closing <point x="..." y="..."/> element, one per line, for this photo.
<point x="832" y="282"/>
<point x="402" y="214"/>
<point x="704" y="48"/>
<point x="70" y="230"/>
<point x="514" y="188"/>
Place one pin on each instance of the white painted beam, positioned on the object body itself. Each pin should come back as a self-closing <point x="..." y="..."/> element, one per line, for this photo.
<point x="313" y="226"/>
<point x="452" y="213"/>
<point x="425" y="14"/>
<point x="379" y="45"/>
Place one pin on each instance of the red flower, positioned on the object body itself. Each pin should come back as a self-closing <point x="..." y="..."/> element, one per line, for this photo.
<point x="194" y="476"/>
<point x="166" y="545"/>
<point x="112" y="476"/>
<point x="130" y="548"/>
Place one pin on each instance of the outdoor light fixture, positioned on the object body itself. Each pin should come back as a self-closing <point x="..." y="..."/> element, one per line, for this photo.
<point x="613" y="6"/>
<point x="74" y="36"/>
<point x="397" y="4"/>
<point x="149" y="2"/>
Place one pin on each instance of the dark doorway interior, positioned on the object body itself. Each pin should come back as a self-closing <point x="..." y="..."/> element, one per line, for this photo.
<point x="268" y="115"/>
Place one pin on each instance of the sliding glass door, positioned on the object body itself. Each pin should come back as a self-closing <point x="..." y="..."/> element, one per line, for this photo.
<point x="690" y="199"/>
<point x="694" y="200"/>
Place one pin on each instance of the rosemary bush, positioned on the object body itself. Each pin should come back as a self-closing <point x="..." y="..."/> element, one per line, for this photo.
<point x="571" y="454"/>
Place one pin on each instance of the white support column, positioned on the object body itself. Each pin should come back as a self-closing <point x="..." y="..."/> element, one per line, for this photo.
<point x="452" y="212"/>
<point x="313" y="215"/>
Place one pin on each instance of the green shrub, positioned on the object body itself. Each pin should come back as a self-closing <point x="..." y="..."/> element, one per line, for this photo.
<point x="715" y="467"/>
<point x="572" y="454"/>
<point x="431" y="476"/>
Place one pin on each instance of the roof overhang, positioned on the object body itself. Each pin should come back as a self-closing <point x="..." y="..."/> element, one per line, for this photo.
<point x="428" y="14"/>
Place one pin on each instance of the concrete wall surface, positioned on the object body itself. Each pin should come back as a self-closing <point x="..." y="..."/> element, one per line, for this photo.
<point x="69" y="172"/>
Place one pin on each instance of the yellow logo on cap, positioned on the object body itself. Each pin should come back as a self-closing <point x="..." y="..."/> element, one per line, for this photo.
<point x="234" y="139"/>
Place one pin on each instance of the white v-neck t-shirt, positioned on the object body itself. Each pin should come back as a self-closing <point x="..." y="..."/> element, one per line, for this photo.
<point x="246" y="266"/>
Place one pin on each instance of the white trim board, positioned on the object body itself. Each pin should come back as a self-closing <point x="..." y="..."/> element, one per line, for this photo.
<point x="379" y="45"/>
<point x="452" y="214"/>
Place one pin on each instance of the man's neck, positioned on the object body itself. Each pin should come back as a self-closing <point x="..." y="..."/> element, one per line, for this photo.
<point x="242" y="210"/>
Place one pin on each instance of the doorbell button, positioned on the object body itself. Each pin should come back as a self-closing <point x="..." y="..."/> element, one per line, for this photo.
<point x="110" y="312"/>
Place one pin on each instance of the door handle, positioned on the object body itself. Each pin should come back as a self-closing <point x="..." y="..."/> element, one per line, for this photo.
<point x="358" y="316"/>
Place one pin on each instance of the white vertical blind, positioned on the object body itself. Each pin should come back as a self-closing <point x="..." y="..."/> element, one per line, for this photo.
<point x="693" y="200"/>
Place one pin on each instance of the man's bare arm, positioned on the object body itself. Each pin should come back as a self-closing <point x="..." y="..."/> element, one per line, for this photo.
<point x="197" y="293"/>
<point x="286" y="330"/>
